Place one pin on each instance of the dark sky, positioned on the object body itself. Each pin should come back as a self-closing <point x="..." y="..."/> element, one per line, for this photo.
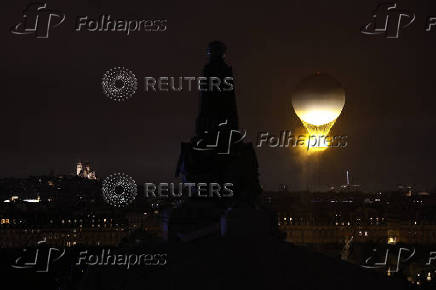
<point x="53" y="112"/>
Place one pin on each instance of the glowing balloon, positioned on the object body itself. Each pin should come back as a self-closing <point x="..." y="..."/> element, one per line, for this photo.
<point x="318" y="101"/>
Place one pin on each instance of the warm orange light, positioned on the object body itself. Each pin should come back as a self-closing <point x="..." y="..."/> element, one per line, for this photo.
<point x="315" y="140"/>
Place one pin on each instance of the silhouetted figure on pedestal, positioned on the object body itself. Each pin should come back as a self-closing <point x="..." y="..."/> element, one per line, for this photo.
<point x="217" y="104"/>
<point x="231" y="161"/>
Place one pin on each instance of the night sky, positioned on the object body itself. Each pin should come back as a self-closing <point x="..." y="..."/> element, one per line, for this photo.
<point x="53" y="112"/>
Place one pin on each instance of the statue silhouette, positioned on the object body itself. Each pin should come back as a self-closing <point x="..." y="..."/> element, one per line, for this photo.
<point x="217" y="104"/>
<point x="202" y="164"/>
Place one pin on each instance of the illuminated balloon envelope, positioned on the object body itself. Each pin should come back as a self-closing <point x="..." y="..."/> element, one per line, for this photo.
<point x="318" y="101"/>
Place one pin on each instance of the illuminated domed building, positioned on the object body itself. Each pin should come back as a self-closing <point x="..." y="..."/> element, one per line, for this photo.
<point x="84" y="169"/>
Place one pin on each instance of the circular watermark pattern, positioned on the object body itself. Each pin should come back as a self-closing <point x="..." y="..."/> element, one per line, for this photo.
<point x="119" y="189"/>
<point x="119" y="84"/>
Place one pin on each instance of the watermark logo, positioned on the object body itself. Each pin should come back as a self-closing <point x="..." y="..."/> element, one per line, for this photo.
<point x="40" y="259"/>
<point x="387" y="258"/>
<point x="38" y="20"/>
<point x="403" y="256"/>
<point x="106" y="22"/>
<point x="286" y="139"/>
<point x="119" y="84"/>
<point x="196" y="190"/>
<point x="222" y="139"/>
<point x="388" y="20"/>
<point x="106" y="258"/>
<point x="43" y="258"/>
<point x="119" y="190"/>
<point x="177" y="84"/>
<point x="220" y="142"/>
